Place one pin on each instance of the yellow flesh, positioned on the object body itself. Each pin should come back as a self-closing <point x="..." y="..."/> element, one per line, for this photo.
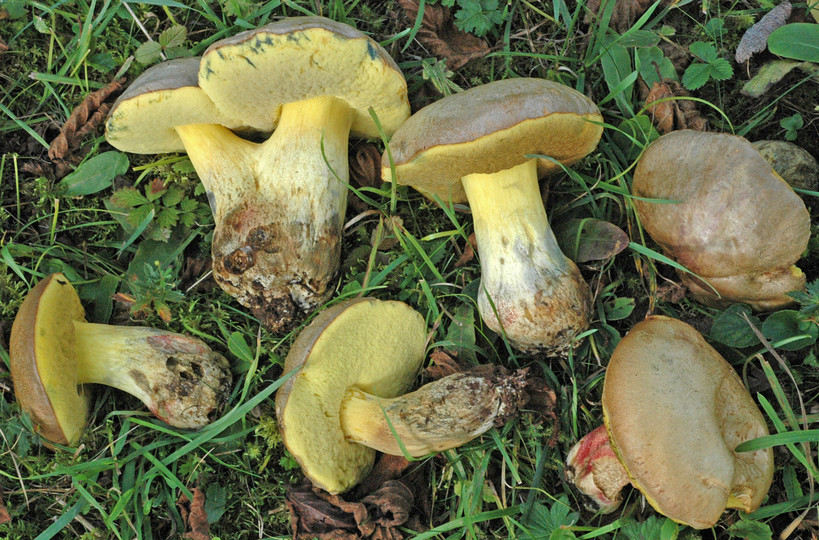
<point x="377" y="347"/>
<point x="56" y="359"/>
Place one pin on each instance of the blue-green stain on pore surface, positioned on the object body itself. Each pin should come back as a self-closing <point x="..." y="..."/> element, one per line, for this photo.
<point x="206" y="70"/>
<point x="371" y="50"/>
<point x="249" y="62"/>
<point x="297" y="36"/>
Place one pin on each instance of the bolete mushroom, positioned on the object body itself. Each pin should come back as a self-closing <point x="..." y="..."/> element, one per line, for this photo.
<point x="355" y="362"/>
<point x="54" y="352"/>
<point x="793" y="163"/>
<point x="719" y="209"/>
<point x="674" y="411"/>
<point x="475" y="145"/>
<point x="279" y="205"/>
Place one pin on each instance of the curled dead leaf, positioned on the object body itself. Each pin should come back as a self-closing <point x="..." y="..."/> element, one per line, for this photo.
<point x="4" y="513"/>
<point x="391" y="498"/>
<point x="673" y="114"/>
<point x="443" y="364"/>
<point x="624" y="14"/>
<point x="194" y="515"/>
<point x="469" y="252"/>
<point x="438" y="33"/>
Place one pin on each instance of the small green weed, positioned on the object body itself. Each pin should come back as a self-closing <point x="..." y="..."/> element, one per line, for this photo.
<point x="169" y="44"/>
<point x="792" y="125"/>
<point x="697" y="74"/>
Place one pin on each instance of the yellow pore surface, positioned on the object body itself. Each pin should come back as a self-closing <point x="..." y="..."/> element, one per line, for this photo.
<point x="56" y="361"/>
<point x="565" y="137"/>
<point x="250" y="80"/>
<point x="375" y="346"/>
<point x="145" y="124"/>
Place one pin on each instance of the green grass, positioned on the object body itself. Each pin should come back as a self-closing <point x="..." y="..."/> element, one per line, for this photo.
<point x="127" y="475"/>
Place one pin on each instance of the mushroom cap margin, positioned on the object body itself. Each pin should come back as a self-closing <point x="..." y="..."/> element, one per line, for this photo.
<point x="490" y="128"/>
<point x="34" y="333"/>
<point x="248" y="83"/>
<point x="667" y="397"/>
<point x="143" y="118"/>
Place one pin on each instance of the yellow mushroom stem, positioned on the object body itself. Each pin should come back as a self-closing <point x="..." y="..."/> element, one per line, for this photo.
<point x="529" y="288"/>
<point x="278" y="205"/>
<point x="440" y="415"/>
<point x="179" y="378"/>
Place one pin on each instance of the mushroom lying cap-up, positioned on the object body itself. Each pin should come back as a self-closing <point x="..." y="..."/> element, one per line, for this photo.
<point x="54" y="352"/>
<point x="721" y="211"/>
<point x="675" y="411"/>
<point x="477" y="145"/>
<point x="347" y="399"/>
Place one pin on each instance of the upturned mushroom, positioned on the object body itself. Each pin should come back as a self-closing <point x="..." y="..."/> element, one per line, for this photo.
<point x="355" y="362"/>
<point x="54" y="353"/>
<point x="476" y="145"/>
<point x="718" y="208"/>
<point x="674" y="412"/>
<point x="278" y="205"/>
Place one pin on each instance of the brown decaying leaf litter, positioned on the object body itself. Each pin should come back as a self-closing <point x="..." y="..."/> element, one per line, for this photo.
<point x="624" y="13"/>
<point x="393" y="496"/>
<point x="194" y="515"/>
<point x="438" y="33"/>
<point x="672" y="114"/>
<point x="4" y="513"/>
<point x="755" y="39"/>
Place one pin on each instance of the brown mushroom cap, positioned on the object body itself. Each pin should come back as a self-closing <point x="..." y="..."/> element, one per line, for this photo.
<point x="167" y="95"/>
<point x="490" y="128"/>
<point x="43" y="369"/>
<point x="736" y="224"/>
<point x="366" y="344"/>
<point x="675" y="410"/>
<point x="250" y="75"/>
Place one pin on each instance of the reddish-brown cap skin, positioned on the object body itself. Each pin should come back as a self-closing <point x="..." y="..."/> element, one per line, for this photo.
<point x="28" y="388"/>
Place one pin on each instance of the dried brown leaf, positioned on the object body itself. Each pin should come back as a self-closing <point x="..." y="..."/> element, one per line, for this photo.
<point x="469" y="252"/>
<point x="624" y="14"/>
<point x="390" y="505"/>
<point x="673" y="114"/>
<point x="439" y="34"/>
<point x="755" y="39"/>
<point x="365" y="171"/>
<point x="386" y="468"/>
<point x="3" y="46"/>
<point x="194" y="515"/>
<point x="442" y="365"/>
<point x="377" y="509"/>
<point x="543" y="402"/>
<point x="4" y="512"/>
